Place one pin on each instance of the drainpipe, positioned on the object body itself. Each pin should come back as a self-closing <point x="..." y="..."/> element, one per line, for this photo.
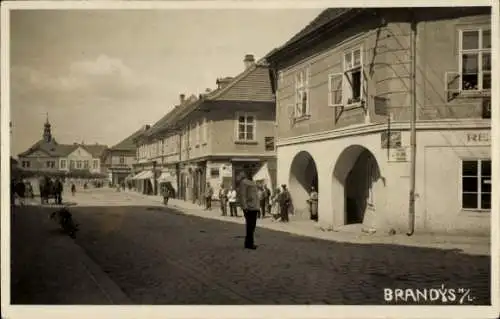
<point x="413" y="131"/>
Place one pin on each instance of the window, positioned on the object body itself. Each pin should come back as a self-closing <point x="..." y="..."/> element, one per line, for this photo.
<point x="475" y="60"/>
<point x="79" y="164"/>
<point x="86" y="164"/>
<point x="50" y="164"/>
<point x="476" y="184"/>
<point x="95" y="164"/>
<point x="246" y="127"/>
<point x="214" y="172"/>
<point x="353" y="72"/>
<point x="302" y="93"/>
<point x="26" y="164"/>
<point x="122" y="160"/>
<point x="63" y="164"/>
<point x="347" y="88"/>
<point x="269" y="143"/>
<point x="72" y="164"/>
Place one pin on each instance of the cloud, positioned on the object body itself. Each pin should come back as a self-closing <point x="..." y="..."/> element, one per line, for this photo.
<point x="102" y="78"/>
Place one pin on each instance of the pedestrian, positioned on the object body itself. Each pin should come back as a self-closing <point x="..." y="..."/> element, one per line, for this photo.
<point x="250" y="204"/>
<point x="73" y="189"/>
<point x="58" y="189"/>
<point x="284" y="202"/>
<point x="262" y="203"/>
<point x="209" y="192"/>
<point x="267" y="195"/>
<point x="275" y="205"/>
<point x="313" y="204"/>
<point x="165" y="192"/>
<point x="21" y="190"/>
<point x="232" y="197"/>
<point x="223" y="200"/>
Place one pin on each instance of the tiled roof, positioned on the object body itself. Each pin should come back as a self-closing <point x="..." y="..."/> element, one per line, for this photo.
<point x="322" y="19"/>
<point x="97" y="150"/>
<point x="55" y="149"/>
<point x="254" y="84"/>
<point x="129" y="143"/>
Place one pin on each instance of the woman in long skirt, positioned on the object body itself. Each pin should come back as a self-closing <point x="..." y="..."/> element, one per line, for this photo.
<point x="275" y="205"/>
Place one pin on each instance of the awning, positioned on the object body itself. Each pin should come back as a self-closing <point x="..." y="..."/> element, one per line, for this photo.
<point x="165" y="177"/>
<point x="143" y="175"/>
<point x="146" y="175"/>
<point x="262" y="174"/>
<point x="136" y="176"/>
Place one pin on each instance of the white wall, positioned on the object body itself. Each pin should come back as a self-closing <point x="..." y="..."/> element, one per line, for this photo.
<point x="437" y="180"/>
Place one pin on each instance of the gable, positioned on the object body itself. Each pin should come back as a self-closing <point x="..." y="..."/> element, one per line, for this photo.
<point x="80" y="152"/>
<point x="255" y="86"/>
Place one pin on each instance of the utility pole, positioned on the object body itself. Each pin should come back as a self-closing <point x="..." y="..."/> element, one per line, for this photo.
<point x="413" y="131"/>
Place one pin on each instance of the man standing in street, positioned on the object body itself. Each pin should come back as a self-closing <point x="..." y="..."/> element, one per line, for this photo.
<point x="223" y="200"/>
<point x="232" y="198"/>
<point x="58" y="188"/>
<point x="284" y="201"/>
<point x="249" y="203"/>
<point x="209" y="192"/>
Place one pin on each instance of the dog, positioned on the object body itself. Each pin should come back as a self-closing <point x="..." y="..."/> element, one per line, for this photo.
<point x="65" y="220"/>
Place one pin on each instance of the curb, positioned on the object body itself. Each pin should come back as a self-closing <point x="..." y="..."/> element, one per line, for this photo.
<point x="108" y="287"/>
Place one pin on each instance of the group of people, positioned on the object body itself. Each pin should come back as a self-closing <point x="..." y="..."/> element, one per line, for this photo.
<point x="228" y="197"/>
<point x="20" y="189"/>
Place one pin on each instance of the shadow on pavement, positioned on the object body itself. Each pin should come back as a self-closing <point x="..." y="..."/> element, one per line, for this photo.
<point x="158" y="255"/>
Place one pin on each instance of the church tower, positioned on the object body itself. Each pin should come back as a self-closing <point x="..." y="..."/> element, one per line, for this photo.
<point x="47" y="134"/>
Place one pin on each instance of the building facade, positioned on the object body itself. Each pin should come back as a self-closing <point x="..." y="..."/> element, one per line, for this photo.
<point x="47" y="156"/>
<point x="213" y="136"/>
<point x="120" y="158"/>
<point x="346" y="87"/>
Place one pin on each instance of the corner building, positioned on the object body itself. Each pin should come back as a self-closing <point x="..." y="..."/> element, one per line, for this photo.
<point x="345" y="88"/>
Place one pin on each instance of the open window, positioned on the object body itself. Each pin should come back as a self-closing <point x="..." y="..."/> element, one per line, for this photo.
<point x="354" y="84"/>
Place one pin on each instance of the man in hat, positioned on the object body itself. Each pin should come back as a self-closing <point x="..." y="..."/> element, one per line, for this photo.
<point x="249" y="203"/>
<point x="284" y="200"/>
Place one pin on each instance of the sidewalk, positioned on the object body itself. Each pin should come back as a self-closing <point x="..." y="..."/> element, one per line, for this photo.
<point x="466" y="244"/>
<point x="48" y="267"/>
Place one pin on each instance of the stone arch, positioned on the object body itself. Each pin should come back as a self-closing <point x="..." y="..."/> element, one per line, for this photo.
<point x="303" y="175"/>
<point x="355" y="174"/>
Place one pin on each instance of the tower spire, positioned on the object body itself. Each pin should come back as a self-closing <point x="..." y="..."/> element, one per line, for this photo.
<point x="47" y="134"/>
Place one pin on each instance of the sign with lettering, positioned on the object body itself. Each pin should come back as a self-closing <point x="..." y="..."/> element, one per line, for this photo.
<point x="477" y="137"/>
<point x="395" y="139"/>
<point x="398" y="155"/>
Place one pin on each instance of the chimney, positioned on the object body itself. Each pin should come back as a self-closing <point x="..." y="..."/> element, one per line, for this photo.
<point x="249" y="60"/>
<point x="223" y="82"/>
<point x="182" y="98"/>
<point x="146" y="127"/>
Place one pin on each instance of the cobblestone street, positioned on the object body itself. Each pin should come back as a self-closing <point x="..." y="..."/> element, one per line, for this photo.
<point x="159" y="255"/>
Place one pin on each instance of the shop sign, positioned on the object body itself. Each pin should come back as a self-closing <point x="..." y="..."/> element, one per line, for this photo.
<point x="398" y="155"/>
<point x="395" y="139"/>
<point x="477" y="137"/>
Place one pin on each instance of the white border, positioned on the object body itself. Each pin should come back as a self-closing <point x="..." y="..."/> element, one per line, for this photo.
<point x="237" y="311"/>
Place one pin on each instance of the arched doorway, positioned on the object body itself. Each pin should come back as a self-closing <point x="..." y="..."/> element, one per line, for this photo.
<point x="303" y="176"/>
<point x="355" y="174"/>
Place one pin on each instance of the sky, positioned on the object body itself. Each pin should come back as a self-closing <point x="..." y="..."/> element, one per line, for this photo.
<point x="102" y="74"/>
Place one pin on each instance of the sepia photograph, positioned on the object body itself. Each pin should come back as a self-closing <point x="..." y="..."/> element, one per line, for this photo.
<point x="266" y="155"/>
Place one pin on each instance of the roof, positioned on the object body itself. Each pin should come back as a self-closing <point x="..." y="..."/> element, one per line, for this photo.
<point x="128" y="143"/>
<point x="321" y="20"/>
<point x="251" y="85"/>
<point x="54" y="149"/>
<point x="97" y="150"/>
<point x="324" y="19"/>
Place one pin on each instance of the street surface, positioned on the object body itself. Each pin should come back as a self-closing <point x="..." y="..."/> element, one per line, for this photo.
<point x="159" y="255"/>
